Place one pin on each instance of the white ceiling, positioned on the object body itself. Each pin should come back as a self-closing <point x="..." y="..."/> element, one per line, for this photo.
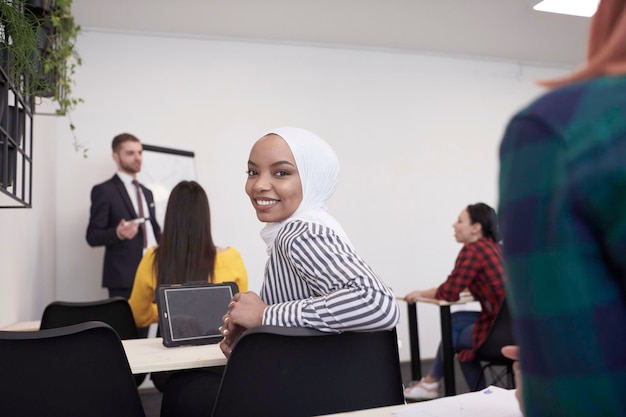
<point x="499" y="29"/>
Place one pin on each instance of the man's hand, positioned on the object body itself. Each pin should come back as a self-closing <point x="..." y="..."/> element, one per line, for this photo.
<point x="126" y="229"/>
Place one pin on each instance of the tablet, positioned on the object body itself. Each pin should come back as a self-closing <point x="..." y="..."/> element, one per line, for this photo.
<point x="191" y="314"/>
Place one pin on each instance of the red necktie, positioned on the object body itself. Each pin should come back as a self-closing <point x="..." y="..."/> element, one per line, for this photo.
<point x="141" y="213"/>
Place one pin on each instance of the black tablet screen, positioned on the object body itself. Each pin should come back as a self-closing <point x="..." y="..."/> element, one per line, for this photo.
<point x="195" y="313"/>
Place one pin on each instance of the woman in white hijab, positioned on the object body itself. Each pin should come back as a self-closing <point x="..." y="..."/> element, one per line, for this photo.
<point x="313" y="277"/>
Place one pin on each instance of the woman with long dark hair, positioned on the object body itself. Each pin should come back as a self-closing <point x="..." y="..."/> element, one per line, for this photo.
<point x="186" y="253"/>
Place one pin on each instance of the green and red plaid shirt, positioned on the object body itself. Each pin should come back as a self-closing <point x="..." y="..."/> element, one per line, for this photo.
<point x="563" y="218"/>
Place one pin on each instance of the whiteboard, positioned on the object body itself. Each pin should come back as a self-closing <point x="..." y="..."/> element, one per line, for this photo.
<point x="163" y="168"/>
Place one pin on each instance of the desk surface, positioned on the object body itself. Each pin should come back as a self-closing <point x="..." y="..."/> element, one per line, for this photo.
<point x="149" y="355"/>
<point x="490" y="402"/>
<point x="464" y="299"/>
<point x="446" y="337"/>
<point x="23" y="326"/>
<point x="371" y="412"/>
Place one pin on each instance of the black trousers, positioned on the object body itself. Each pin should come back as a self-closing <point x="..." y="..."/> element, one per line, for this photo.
<point x="191" y="393"/>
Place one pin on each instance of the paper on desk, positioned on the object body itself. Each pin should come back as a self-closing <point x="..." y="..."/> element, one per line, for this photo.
<point x="490" y="402"/>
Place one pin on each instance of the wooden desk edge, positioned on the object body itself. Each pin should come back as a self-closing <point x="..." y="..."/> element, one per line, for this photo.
<point x="370" y="412"/>
<point x="145" y="369"/>
<point x="169" y="359"/>
<point x="461" y="300"/>
<point x="23" y="326"/>
<point x="166" y="360"/>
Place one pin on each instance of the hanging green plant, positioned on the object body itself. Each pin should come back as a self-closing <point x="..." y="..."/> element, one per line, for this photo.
<point x="60" y="59"/>
<point x="39" y="53"/>
<point x="19" y="40"/>
<point x="59" y="63"/>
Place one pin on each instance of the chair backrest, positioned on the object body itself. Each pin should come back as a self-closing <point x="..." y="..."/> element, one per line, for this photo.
<point x="288" y="371"/>
<point x="114" y="311"/>
<point x="76" y="371"/>
<point x="500" y="334"/>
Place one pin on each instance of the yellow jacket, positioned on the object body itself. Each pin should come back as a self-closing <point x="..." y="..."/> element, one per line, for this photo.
<point x="228" y="267"/>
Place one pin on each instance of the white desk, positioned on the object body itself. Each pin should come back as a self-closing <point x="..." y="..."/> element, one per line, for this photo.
<point x="446" y="338"/>
<point x="149" y="355"/>
<point x="490" y="402"/>
<point x="23" y="326"/>
<point x="371" y="412"/>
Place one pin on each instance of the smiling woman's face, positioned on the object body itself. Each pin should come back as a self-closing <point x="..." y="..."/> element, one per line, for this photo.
<point x="273" y="184"/>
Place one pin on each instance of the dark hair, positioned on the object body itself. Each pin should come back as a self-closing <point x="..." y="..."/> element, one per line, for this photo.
<point x="186" y="251"/>
<point x="121" y="138"/>
<point x="486" y="216"/>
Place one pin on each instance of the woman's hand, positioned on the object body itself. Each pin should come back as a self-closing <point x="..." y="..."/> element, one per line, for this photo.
<point x="231" y="333"/>
<point x="512" y="352"/>
<point x="413" y="296"/>
<point x="246" y="309"/>
<point x="244" y="312"/>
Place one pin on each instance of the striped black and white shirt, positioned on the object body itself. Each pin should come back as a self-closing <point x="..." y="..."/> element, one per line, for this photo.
<point x="314" y="279"/>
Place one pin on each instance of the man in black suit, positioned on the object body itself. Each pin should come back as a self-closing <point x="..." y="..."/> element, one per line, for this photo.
<point x="116" y="205"/>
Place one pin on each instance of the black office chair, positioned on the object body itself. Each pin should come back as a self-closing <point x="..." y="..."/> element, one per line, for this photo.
<point x="115" y="312"/>
<point x="500" y="334"/>
<point x="288" y="371"/>
<point x="77" y="371"/>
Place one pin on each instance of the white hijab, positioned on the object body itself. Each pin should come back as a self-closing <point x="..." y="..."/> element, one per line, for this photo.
<point x="318" y="167"/>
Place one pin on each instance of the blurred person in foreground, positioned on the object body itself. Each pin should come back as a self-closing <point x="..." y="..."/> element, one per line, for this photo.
<point x="563" y="218"/>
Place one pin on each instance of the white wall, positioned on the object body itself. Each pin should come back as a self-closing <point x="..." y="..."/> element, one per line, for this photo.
<point x="417" y="137"/>
<point x="27" y="236"/>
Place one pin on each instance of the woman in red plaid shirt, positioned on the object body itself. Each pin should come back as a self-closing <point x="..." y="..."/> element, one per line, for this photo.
<point x="479" y="269"/>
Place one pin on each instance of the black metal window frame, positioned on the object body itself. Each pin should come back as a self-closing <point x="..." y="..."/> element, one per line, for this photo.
<point x="16" y="142"/>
